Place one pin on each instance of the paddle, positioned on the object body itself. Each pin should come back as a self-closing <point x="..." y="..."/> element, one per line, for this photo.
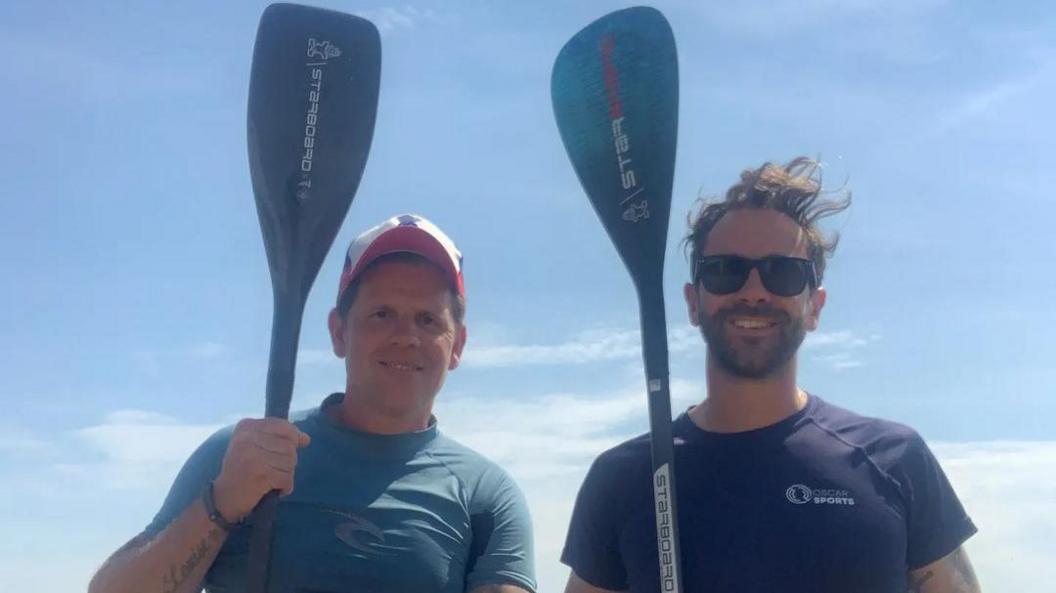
<point x="615" y="94"/>
<point x="313" y="97"/>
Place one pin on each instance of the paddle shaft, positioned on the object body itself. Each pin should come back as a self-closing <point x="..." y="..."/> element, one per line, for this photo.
<point x="285" y="334"/>
<point x="654" y="351"/>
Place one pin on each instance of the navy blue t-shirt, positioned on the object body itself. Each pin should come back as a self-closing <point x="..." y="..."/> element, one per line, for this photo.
<point x="825" y="501"/>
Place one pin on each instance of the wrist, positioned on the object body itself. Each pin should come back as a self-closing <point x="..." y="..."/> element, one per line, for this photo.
<point x="214" y="512"/>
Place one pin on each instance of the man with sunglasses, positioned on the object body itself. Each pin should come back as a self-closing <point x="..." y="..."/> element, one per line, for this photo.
<point x="778" y="490"/>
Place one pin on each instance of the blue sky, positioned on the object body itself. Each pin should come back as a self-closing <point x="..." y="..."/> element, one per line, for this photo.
<point x="137" y="306"/>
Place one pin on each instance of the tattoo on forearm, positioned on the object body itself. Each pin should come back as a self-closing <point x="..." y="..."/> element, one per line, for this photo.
<point x="963" y="575"/>
<point x="953" y="574"/>
<point x="916" y="583"/>
<point x="178" y="575"/>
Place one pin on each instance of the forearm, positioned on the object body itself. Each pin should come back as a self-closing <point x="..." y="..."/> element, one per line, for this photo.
<point x="175" y="561"/>
<point x="952" y="574"/>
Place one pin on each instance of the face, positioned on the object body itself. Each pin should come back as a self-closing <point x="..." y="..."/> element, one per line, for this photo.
<point x="399" y="337"/>
<point x="754" y="333"/>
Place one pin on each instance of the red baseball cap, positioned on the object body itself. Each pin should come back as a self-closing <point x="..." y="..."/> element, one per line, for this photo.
<point x="406" y="233"/>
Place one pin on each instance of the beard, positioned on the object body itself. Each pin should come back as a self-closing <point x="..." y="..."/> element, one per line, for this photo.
<point x="752" y="358"/>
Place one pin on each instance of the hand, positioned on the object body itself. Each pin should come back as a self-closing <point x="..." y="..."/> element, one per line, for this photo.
<point x="260" y="457"/>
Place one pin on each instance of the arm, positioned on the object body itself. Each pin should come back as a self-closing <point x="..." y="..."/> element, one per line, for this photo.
<point x="578" y="585"/>
<point x="260" y="457"/>
<point x="174" y="561"/>
<point x="501" y="549"/>
<point x="952" y="574"/>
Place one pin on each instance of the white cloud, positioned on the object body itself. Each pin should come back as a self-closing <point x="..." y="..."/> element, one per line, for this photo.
<point x="1009" y="489"/>
<point x="585" y="347"/>
<point x="838" y="350"/>
<point x="844" y="338"/>
<point x="977" y="104"/>
<point x="21" y="443"/>
<point x="610" y="344"/>
<point x="134" y="449"/>
<point x="138" y="436"/>
<point x="391" y="18"/>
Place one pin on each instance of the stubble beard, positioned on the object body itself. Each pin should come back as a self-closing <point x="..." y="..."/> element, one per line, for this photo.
<point x="746" y="361"/>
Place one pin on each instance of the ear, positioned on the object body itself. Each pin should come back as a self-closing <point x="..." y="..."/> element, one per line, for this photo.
<point x="815" y="303"/>
<point x="689" y="291"/>
<point x="337" y="329"/>
<point x="456" y="349"/>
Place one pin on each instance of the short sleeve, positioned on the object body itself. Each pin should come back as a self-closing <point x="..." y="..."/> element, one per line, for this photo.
<point x="592" y="547"/>
<point x="937" y="523"/>
<point x="502" y="547"/>
<point x="202" y="466"/>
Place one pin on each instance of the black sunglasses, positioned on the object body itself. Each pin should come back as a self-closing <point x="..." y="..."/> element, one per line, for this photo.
<point x="782" y="275"/>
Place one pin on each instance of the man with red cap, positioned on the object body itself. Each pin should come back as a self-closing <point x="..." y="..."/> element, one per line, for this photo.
<point x="375" y="498"/>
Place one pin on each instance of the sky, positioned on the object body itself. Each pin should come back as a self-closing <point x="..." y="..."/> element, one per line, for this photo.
<point x="136" y="307"/>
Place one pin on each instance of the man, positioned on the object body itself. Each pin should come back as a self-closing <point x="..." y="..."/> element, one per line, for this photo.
<point x="380" y="502"/>
<point x="778" y="490"/>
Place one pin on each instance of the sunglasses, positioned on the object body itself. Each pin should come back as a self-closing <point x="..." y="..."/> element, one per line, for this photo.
<point x="782" y="275"/>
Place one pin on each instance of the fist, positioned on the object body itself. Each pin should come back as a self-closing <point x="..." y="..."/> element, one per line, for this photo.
<point x="260" y="457"/>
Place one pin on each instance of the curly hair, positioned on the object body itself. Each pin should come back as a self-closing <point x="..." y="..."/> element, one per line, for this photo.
<point x="794" y="190"/>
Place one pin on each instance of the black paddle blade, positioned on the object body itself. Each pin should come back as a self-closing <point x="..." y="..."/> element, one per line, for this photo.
<point x="313" y="97"/>
<point x="615" y="94"/>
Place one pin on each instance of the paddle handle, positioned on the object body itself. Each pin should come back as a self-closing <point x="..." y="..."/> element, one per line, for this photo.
<point x="260" y="539"/>
<point x="285" y="334"/>
<point x="654" y="351"/>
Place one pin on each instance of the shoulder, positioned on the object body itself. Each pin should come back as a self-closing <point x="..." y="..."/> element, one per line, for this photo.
<point x="892" y="446"/>
<point x="308" y="418"/>
<point x="626" y="463"/>
<point x="630" y="455"/>
<point x="212" y="449"/>
<point x="482" y="478"/>
<point x="873" y="435"/>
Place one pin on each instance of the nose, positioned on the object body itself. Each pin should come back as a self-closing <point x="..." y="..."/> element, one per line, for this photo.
<point x="405" y="333"/>
<point x="753" y="290"/>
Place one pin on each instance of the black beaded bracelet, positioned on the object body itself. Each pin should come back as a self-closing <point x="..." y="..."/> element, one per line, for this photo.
<point x="210" y="509"/>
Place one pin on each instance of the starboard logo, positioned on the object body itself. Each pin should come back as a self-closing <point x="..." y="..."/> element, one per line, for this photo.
<point x="801" y="494"/>
<point x="317" y="50"/>
<point x="620" y="140"/>
<point x="665" y="537"/>
<point x="322" y="49"/>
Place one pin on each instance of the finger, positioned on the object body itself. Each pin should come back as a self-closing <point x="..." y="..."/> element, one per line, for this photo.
<point x="303" y="440"/>
<point x="287" y="488"/>
<point x="279" y="427"/>
<point x="283" y="482"/>
<point x="275" y="444"/>
<point x="280" y="464"/>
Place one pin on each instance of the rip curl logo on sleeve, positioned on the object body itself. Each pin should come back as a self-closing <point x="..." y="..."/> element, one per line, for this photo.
<point x="801" y="494"/>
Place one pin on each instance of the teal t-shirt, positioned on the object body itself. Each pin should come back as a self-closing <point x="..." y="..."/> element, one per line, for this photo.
<point x="375" y="514"/>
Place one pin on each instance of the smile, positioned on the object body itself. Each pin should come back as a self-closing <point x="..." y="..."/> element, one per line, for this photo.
<point x="753" y="323"/>
<point x="400" y="366"/>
